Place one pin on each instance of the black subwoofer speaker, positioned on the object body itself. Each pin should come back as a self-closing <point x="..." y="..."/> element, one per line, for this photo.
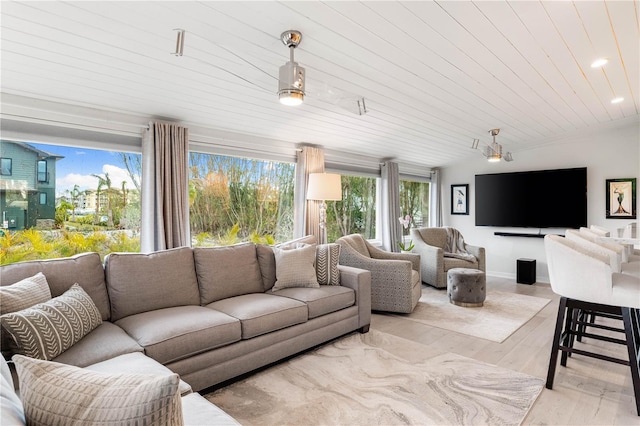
<point x="526" y="271"/>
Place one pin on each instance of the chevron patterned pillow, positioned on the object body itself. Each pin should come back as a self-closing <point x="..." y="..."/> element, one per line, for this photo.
<point x="327" y="256"/>
<point x="57" y="394"/>
<point x="47" y="329"/>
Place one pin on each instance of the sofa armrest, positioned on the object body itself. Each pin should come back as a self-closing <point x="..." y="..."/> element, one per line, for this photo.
<point x="431" y="260"/>
<point x="358" y="280"/>
<point x="479" y="253"/>
<point x="414" y="258"/>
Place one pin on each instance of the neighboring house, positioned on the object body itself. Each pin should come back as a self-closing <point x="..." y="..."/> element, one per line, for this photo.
<point x="27" y="185"/>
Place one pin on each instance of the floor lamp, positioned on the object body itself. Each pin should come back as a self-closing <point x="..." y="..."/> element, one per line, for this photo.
<point x="323" y="187"/>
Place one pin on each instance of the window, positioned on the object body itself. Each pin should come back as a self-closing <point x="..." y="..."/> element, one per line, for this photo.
<point x="356" y="212"/>
<point x="414" y="201"/>
<point x="6" y="167"/>
<point x="42" y="171"/>
<point x="94" y="198"/>
<point x="236" y="199"/>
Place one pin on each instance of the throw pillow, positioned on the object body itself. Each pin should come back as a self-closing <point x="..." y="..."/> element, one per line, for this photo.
<point x="295" y="267"/>
<point x="47" y="329"/>
<point x="55" y="394"/>
<point x="24" y="294"/>
<point x="327" y="256"/>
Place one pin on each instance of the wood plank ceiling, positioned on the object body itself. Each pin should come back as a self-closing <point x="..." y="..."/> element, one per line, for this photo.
<point x="434" y="75"/>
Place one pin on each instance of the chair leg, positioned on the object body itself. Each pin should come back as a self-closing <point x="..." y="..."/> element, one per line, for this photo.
<point x="631" y="320"/>
<point x="553" y="360"/>
<point x="568" y="337"/>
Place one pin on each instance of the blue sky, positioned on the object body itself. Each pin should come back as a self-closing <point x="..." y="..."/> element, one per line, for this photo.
<point x="79" y="164"/>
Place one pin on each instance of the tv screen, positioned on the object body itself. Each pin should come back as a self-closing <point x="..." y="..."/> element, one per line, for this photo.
<point x="534" y="199"/>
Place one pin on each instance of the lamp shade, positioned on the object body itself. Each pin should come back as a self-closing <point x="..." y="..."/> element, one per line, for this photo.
<point x="324" y="186"/>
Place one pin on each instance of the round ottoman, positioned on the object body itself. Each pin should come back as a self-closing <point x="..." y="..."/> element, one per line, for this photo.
<point x="466" y="287"/>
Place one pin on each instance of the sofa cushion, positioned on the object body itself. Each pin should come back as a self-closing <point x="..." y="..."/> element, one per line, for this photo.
<point x="327" y="256"/>
<point x="140" y="282"/>
<point x="295" y="267"/>
<point x="24" y="294"/>
<point x="54" y="393"/>
<point x="322" y="300"/>
<point x="261" y="313"/>
<point x="136" y="362"/>
<point x="105" y="342"/>
<point x="227" y="271"/>
<point x="84" y="269"/>
<point x="171" y="334"/>
<point x="47" y="329"/>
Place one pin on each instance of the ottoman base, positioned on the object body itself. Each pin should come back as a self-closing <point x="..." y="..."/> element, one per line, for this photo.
<point x="466" y="304"/>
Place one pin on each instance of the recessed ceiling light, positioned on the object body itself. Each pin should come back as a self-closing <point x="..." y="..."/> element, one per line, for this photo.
<point x="617" y="100"/>
<point x="599" y="62"/>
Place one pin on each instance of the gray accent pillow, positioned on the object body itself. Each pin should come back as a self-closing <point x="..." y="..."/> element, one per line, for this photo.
<point x="295" y="267"/>
<point x="47" y="329"/>
<point x="327" y="256"/>
<point x="54" y="393"/>
<point x="227" y="271"/>
<point x="24" y="294"/>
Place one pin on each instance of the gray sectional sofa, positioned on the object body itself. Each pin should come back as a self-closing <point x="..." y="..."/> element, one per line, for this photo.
<point x="207" y="314"/>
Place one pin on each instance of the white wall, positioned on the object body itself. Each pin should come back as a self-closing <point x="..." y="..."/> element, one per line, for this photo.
<point x="611" y="151"/>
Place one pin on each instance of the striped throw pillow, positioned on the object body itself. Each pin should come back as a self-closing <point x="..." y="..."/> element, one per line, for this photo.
<point x="47" y="329"/>
<point x="56" y="394"/>
<point x="327" y="256"/>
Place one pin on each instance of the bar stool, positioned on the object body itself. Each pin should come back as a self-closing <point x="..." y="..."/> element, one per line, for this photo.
<point x="584" y="281"/>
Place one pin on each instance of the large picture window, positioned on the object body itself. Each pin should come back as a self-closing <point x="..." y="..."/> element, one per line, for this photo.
<point x="414" y="201"/>
<point x="234" y="199"/>
<point x="356" y="212"/>
<point x="74" y="200"/>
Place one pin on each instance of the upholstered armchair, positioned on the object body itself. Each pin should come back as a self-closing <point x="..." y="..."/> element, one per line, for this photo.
<point x="395" y="277"/>
<point x="430" y="244"/>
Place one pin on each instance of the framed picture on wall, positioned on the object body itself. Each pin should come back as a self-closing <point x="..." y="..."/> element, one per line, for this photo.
<point x="621" y="198"/>
<point x="460" y="199"/>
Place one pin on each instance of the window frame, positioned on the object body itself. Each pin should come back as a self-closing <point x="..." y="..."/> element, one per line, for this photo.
<point x="39" y="173"/>
<point x="40" y="195"/>
<point x="3" y="168"/>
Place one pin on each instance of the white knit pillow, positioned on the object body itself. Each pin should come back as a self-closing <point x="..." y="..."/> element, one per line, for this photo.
<point x="24" y="294"/>
<point x="56" y="394"/>
<point x="295" y="267"/>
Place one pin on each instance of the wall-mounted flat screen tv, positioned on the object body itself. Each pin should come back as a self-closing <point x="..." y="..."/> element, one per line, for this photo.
<point x="533" y="199"/>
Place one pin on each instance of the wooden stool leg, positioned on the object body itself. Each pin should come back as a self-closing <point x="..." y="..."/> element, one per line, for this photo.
<point x="567" y="336"/>
<point x="632" y="332"/>
<point x="553" y="360"/>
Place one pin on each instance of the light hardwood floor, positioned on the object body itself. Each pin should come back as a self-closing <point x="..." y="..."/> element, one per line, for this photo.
<point x="586" y="392"/>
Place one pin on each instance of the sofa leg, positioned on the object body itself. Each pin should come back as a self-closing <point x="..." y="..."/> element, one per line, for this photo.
<point x="364" y="329"/>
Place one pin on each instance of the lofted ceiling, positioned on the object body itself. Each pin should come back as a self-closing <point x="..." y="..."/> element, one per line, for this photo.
<point x="434" y="75"/>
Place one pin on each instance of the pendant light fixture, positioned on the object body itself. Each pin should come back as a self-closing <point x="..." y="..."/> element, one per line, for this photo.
<point x="291" y="78"/>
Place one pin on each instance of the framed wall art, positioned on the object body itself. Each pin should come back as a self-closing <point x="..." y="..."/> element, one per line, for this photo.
<point x="621" y="198"/>
<point x="460" y="199"/>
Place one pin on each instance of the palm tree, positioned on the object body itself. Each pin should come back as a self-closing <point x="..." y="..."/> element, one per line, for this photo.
<point x="105" y="181"/>
<point x="75" y="195"/>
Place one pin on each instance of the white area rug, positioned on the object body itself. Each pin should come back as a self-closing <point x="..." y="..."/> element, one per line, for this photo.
<point x="358" y="380"/>
<point x="501" y="315"/>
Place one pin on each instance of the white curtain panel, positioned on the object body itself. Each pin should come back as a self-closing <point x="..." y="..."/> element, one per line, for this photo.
<point x="435" y="203"/>
<point x="165" y="187"/>
<point x="306" y="213"/>
<point x="390" y="206"/>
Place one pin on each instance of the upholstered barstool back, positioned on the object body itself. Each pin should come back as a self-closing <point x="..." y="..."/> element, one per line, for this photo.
<point x="584" y="279"/>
